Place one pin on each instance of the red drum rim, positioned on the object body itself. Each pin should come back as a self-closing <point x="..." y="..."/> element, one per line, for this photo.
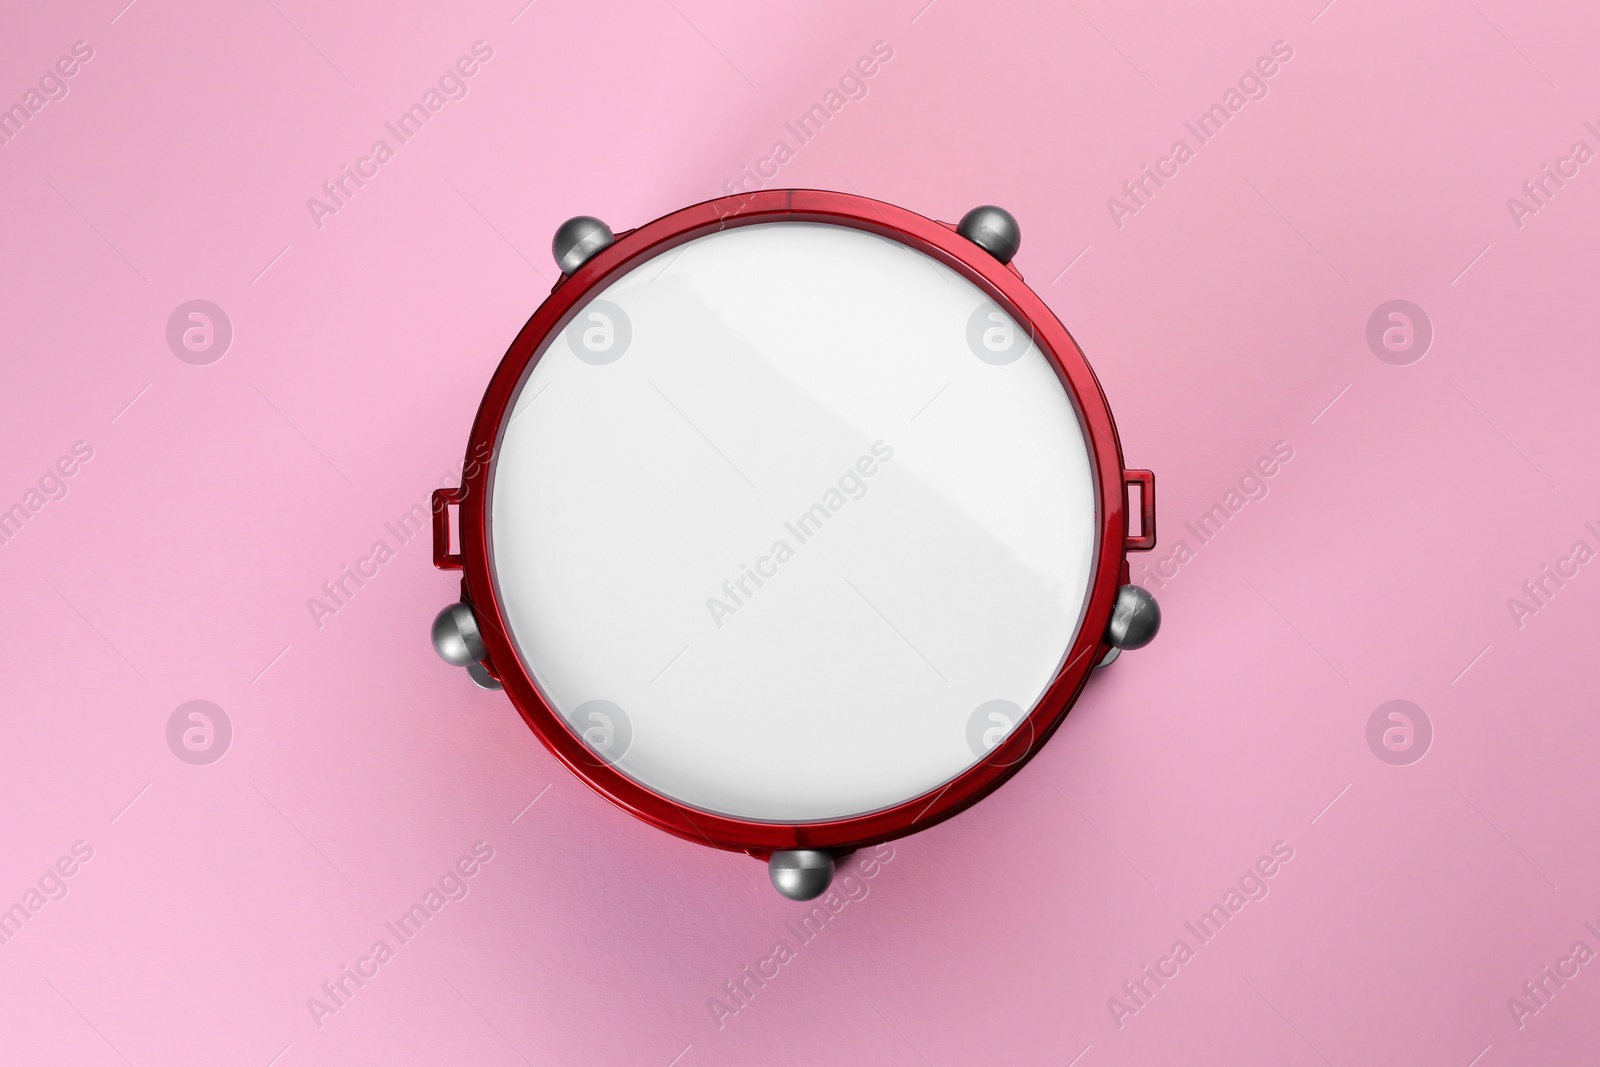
<point x="1001" y="283"/>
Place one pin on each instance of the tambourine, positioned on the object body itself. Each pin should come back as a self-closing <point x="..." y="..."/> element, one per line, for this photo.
<point x="793" y="522"/>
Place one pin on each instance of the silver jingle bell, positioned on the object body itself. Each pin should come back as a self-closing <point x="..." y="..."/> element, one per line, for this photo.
<point x="1134" y="619"/>
<point x="456" y="637"/>
<point x="577" y="240"/>
<point x="482" y="678"/>
<point x="992" y="229"/>
<point x="801" y="874"/>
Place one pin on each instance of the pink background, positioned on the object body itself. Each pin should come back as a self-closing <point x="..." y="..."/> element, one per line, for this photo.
<point x="1225" y="316"/>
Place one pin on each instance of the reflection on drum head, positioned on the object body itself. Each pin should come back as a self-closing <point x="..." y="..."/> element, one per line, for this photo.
<point x="799" y="532"/>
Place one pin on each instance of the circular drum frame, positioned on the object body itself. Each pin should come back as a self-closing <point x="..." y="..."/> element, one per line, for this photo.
<point x="1001" y="283"/>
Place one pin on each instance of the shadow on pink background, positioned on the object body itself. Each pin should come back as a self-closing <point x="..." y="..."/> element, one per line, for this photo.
<point x="1226" y="314"/>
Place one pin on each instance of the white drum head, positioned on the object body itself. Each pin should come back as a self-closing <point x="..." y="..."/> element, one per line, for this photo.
<point x="791" y="523"/>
